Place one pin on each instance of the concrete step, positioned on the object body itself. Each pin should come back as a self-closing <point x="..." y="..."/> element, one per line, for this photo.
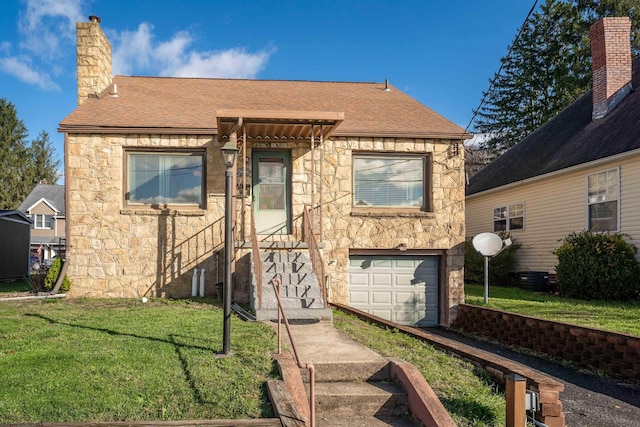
<point x="295" y="313"/>
<point x="350" y="371"/>
<point x="294" y="291"/>
<point x="363" y="421"/>
<point x="285" y="256"/>
<point x="292" y="303"/>
<point x="305" y="279"/>
<point x="287" y="267"/>
<point x="347" y="399"/>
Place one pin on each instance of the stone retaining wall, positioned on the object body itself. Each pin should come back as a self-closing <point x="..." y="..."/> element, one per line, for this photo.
<point x="615" y="354"/>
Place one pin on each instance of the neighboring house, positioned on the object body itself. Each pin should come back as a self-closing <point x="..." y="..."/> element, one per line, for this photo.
<point x="15" y="230"/>
<point x="579" y="171"/>
<point x="382" y="174"/>
<point x="45" y="206"/>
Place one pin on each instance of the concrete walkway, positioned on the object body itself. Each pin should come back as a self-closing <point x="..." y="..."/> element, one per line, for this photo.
<point x="320" y="342"/>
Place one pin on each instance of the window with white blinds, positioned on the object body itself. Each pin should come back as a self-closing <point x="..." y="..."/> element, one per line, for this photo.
<point x="161" y="178"/>
<point x="389" y="180"/>
<point x="602" y="200"/>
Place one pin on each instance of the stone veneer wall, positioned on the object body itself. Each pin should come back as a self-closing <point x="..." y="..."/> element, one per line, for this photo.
<point x="346" y="227"/>
<point x="118" y="251"/>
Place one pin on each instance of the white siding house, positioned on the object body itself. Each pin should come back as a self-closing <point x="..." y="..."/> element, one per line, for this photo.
<point x="579" y="171"/>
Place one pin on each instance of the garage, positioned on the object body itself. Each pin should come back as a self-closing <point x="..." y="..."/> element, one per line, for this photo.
<point x="402" y="289"/>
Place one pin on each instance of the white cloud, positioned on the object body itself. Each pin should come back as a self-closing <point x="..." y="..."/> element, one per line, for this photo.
<point x="21" y="69"/>
<point x="137" y="52"/>
<point x="46" y="22"/>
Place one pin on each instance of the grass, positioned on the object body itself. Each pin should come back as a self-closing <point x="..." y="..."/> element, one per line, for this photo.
<point x="14" y="286"/>
<point x="468" y="393"/>
<point x="615" y="316"/>
<point x="119" y="359"/>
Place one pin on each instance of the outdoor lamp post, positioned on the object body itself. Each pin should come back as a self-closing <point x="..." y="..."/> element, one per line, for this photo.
<point x="229" y="154"/>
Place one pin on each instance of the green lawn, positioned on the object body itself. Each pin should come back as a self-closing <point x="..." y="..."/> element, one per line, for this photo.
<point x="14" y="286"/>
<point x="119" y="359"/>
<point x="468" y="393"/>
<point x="615" y="316"/>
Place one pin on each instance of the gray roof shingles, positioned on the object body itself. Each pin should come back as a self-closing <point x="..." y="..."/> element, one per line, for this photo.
<point x="54" y="194"/>
<point x="569" y="139"/>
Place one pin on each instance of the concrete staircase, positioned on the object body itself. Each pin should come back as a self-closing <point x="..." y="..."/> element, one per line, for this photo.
<point x="354" y="394"/>
<point x="300" y="291"/>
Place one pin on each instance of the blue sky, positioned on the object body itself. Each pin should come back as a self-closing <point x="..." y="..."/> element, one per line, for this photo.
<point x="441" y="52"/>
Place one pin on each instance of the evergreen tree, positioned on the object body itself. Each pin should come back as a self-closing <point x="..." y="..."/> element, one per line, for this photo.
<point x="548" y="67"/>
<point x="22" y="166"/>
<point x="44" y="167"/>
<point x="13" y="153"/>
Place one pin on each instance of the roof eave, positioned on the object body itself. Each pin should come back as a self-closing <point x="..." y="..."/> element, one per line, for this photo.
<point x="576" y="168"/>
<point x="86" y="129"/>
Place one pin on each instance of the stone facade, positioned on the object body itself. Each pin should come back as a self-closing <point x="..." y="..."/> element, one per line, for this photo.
<point x="93" y="59"/>
<point x="118" y="251"/>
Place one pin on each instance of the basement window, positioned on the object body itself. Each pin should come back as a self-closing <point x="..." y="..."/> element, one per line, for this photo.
<point x="157" y="178"/>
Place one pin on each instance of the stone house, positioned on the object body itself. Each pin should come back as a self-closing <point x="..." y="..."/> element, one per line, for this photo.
<point x="360" y="177"/>
<point x="579" y="171"/>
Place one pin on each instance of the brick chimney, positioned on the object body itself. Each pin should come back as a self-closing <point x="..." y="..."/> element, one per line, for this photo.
<point x="94" y="59"/>
<point x="611" y="63"/>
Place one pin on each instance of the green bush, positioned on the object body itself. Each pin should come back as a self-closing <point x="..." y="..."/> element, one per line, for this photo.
<point x="52" y="277"/>
<point x="500" y="266"/>
<point x="598" y="266"/>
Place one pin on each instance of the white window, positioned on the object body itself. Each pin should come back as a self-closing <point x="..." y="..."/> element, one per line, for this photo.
<point x="42" y="221"/>
<point x="163" y="178"/>
<point x="602" y="201"/>
<point x="389" y="181"/>
<point x="508" y="218"/>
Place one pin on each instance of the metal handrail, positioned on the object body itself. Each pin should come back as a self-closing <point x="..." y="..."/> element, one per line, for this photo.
<point x="309" y="366"/>
<point x="314" y="253"/>
<point x="257" y="259"/>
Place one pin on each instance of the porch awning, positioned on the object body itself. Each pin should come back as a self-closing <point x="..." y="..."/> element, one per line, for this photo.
<point x="275" y="125"/>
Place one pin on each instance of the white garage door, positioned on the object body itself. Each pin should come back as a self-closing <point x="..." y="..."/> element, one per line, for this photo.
<point x="402" y="289"/>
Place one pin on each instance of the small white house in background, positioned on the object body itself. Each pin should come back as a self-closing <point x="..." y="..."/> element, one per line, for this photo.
<point x="45" y="206"/>
<point x="579" y="171"/>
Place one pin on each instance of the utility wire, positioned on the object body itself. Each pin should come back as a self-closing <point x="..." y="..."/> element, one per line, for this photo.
<point x="484" y="96"/>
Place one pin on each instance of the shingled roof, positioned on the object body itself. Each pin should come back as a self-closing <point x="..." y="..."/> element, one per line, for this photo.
<point x="189" y="105"/>
<point x="53" y="194"/>
<point x="569" y="139"/>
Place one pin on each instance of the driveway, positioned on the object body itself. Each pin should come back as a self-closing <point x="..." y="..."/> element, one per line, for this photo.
<point x="588" y="400"/>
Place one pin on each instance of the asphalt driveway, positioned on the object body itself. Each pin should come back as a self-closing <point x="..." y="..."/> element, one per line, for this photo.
<point x="588" y="400"/>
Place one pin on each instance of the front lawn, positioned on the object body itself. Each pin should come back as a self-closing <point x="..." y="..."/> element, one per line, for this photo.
<point x="616" y="316"/>
<point x="468" y="393"/>
<point x="119" y="359"/>
<point x="14" y="286"/>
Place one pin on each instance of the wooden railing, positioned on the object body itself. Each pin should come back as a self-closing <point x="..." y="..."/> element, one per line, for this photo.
<point x="314" y="253"/>
<point x="312" y="370"/>
<point x="257" y="259"/>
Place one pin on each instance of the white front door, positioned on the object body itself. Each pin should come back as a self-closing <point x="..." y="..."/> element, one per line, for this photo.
<point x="271" y="191"/>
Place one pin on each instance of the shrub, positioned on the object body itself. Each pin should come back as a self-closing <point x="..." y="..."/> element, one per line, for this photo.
<point x="52" y="277"/>
<point x="500" y="266"/>
<point x="597" y="266"/>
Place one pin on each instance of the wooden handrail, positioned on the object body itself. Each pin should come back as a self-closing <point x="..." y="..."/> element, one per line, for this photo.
<point x="276" y="282"/>
<point x="314" y="253"/>
<point x="257" y="259"/>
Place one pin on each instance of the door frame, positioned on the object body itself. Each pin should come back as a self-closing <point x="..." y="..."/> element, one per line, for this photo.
<point x="285" y="155"/>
